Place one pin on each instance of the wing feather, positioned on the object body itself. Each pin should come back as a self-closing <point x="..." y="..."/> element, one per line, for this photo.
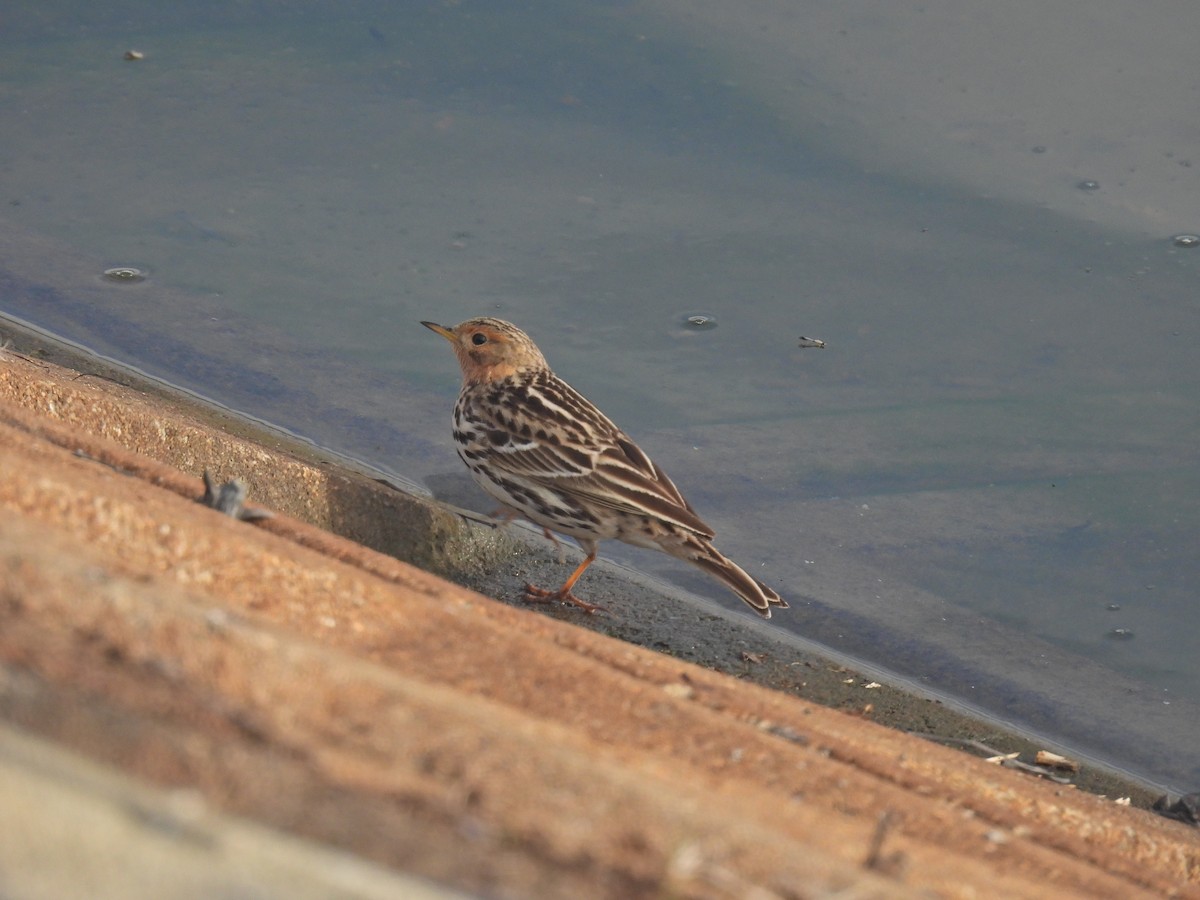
<point x="555" y="439"/>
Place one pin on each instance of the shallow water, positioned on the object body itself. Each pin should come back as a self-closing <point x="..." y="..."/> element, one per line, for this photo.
<point x="986" y="482"/>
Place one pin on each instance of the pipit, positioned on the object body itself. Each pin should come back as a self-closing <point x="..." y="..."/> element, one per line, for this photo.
<point x="547" y="454"/>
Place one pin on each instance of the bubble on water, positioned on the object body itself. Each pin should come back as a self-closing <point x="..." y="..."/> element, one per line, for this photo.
<point x="700" y="321"/>
<point x="125" y="274"/>
<point x="1088" y="185"/>
<point x="1186" y="240"/>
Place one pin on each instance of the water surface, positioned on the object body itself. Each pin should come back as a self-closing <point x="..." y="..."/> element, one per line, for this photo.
<point x="985" y="483"/>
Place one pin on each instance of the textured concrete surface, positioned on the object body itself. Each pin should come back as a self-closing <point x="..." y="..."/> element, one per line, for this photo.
<point x="280" y="673"/>
<point x="72" y="828"/>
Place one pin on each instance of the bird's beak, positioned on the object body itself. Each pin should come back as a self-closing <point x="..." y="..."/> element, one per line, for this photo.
<point x="442" y="330"/>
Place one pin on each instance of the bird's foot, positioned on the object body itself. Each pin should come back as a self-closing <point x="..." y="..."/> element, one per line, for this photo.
<point x="540" y="595"/>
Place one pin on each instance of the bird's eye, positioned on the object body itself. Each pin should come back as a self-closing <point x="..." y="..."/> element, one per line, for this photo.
<point x="478" y="338"/>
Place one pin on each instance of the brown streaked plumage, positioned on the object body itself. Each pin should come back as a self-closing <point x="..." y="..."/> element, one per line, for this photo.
<point x="538" y="446"/>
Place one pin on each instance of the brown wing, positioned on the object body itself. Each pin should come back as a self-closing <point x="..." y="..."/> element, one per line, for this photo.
<point x="550" y="435"/>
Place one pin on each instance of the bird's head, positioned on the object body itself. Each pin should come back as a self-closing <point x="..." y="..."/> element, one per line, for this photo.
<point x="489" y="349"/>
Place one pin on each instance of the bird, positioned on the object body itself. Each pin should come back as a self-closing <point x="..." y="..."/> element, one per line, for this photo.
<point x="548" y="455"/>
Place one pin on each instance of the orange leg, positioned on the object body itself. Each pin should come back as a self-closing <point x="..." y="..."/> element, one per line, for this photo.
<point x="538" y="595"/>
<point x="562" y="553"/>
<point x="506" y="516"/>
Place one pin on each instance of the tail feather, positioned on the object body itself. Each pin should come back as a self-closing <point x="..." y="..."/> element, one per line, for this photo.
<point x="757" y="595"/>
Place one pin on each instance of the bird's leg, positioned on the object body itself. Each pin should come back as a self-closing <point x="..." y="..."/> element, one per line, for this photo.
<point x="558" y="545"/>
<point x="538" y="595"/>
<point x="506" y="516"/>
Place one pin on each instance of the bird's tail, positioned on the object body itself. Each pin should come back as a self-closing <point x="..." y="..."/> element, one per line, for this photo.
<point x="757" y="595"/>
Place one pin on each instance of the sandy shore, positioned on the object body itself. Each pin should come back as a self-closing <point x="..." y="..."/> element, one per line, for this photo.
<point x="366" y="713"/>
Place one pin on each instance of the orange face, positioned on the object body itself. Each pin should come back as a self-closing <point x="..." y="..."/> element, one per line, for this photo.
<point x="488" y="348"/>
